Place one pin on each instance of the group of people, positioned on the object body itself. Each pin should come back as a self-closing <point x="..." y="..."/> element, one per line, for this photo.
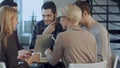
<point x="73" y="44"/>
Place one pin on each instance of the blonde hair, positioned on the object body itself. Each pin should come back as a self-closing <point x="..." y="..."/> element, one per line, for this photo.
<point x="72" y="12"/>
<point x="6" y="26"/>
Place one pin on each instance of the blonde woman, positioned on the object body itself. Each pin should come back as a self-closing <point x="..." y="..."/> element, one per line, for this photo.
<point x="8" y="48"/>
<point x="75" y="45"/>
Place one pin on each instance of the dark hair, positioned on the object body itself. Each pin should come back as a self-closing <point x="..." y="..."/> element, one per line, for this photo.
<point x="49" y="5"/>
<point x="83" y="5"/>
<point x="8" y="3"/>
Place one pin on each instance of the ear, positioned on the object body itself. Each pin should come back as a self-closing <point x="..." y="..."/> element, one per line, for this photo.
<point x="56" y="14"/>
<point x="85" y="13"/>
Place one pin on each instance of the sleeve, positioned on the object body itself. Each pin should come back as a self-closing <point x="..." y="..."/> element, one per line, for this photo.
<point x="11" y="55"/>
<point x="103" y="44"/>
<point x="54" y="57"/>
<point x="23" y="65"/>
<point x="19" y="47"/>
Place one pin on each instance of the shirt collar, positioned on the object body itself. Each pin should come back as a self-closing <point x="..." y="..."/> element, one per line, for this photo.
<point x="74" y="28"/>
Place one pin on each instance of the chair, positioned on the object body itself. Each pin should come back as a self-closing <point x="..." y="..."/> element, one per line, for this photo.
<point x="114" y="60"/>
<point x="89" y="65"/>
<point x="2" y="65"/>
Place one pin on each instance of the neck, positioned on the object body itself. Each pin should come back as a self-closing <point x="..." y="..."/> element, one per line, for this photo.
<point x="91" y="22"/>
<point x="73" y="24"/>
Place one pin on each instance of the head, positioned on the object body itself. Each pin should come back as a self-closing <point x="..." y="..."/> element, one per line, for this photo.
<point x="10" y="3"/>
<point x="49" y="13"/>
<point x="8" y="20"/>
<point x="85" y="7"/>
<point x="71" y="15"/>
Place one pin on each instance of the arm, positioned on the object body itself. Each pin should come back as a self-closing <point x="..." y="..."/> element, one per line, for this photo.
<point x="9" y="55"/>
<point x="103" y="44"/>
<point x="19" y="47"/>
<point x="54" y="57"/>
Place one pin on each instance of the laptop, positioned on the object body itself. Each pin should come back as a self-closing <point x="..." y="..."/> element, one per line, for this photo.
<point x="42" y="43"/>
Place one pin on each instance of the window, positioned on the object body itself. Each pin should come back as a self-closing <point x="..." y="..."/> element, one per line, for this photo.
<point x="30" y="10"/>
<point x="1" y="1"/>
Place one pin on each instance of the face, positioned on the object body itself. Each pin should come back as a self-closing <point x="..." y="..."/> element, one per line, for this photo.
<point x="15" y="21"/>
<point x="63" y="22"/>
<point x="15" y="7"/>
<point x="48" y="16"/>
<point x="83" y="19"/>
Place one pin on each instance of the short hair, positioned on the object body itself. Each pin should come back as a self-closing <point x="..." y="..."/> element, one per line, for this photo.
<point x="72" y="12"/>
<point x="49" y="5"/>
<point x="83" y="5"/>
<point x="8" y="3"/>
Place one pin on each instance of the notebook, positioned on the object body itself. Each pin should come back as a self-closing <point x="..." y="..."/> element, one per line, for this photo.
<point x="42" y="43"/>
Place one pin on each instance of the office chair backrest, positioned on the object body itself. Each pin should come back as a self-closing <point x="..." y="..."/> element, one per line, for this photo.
<point x="101" y="64"/>
<point x="114" y="60"/>
<point x="2" y="65"/>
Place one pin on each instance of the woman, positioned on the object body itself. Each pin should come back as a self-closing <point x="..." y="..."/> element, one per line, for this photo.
<point x="74" y="45"/>
<point x="22" y="53"/>
<point x="8" y="48"/>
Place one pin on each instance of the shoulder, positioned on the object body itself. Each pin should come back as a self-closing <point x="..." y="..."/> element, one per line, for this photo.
<point x="40" y="23"/>
<point x="98" y="28"/>
<point x="62" y="34"/>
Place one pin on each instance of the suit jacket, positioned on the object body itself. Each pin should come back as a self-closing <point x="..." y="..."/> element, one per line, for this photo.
<point x="40" y="27"/>
<point x="9" y="54"/>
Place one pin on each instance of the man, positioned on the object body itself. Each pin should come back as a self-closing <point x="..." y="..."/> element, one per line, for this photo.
<point x="98" y="30"/>
<point x="22" y="53"/>
<point x="49" y="23"/>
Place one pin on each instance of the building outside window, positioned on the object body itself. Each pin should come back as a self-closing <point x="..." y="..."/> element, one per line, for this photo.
<point x="29" y="14"/>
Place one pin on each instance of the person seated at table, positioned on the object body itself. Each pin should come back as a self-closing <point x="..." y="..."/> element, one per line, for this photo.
<point x="8" y="47"/>
<point x="22" y="53"/>
<point x="49" y="23"/>
<point x="99" y="31"/>
<point x="74" y="45"/>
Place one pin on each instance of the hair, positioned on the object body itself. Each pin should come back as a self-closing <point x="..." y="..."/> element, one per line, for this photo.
<point x="83" y="5"/>
<point x="8" y="3"/>
<point x="49" y="5"/>
<point x="6" y="28"/>
<point x="72" y="12"/>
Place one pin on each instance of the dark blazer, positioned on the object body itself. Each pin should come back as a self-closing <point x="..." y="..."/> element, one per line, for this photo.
<point x="19" y="46"/>
<point x="40" y="27"/>
<point x="9" y="54"/>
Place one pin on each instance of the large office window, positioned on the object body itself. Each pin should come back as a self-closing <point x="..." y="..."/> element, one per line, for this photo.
<point x="29" y="14"/>
<point x="1" y="1"/>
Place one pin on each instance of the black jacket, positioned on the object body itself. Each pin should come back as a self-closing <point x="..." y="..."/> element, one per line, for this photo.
<point x="40" y="27"/>
<point x="9" y="54"/>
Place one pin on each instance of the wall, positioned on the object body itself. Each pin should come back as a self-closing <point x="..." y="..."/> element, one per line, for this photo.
<point x="60" y="4"/>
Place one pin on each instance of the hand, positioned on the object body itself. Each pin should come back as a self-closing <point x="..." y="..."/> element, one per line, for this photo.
<point x="48" y="51"/>
<point x="24" y="54"/>
<point x="33" y="58"/>
<point x="50" y="28"/>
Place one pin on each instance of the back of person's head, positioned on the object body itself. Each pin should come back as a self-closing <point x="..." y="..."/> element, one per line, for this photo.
<point x="49" y="5"/>
<point x="72" y="12"/>
<point x="83" y="5"/>
<point x="9" y="3"/>
<point x="7" y="13"/>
